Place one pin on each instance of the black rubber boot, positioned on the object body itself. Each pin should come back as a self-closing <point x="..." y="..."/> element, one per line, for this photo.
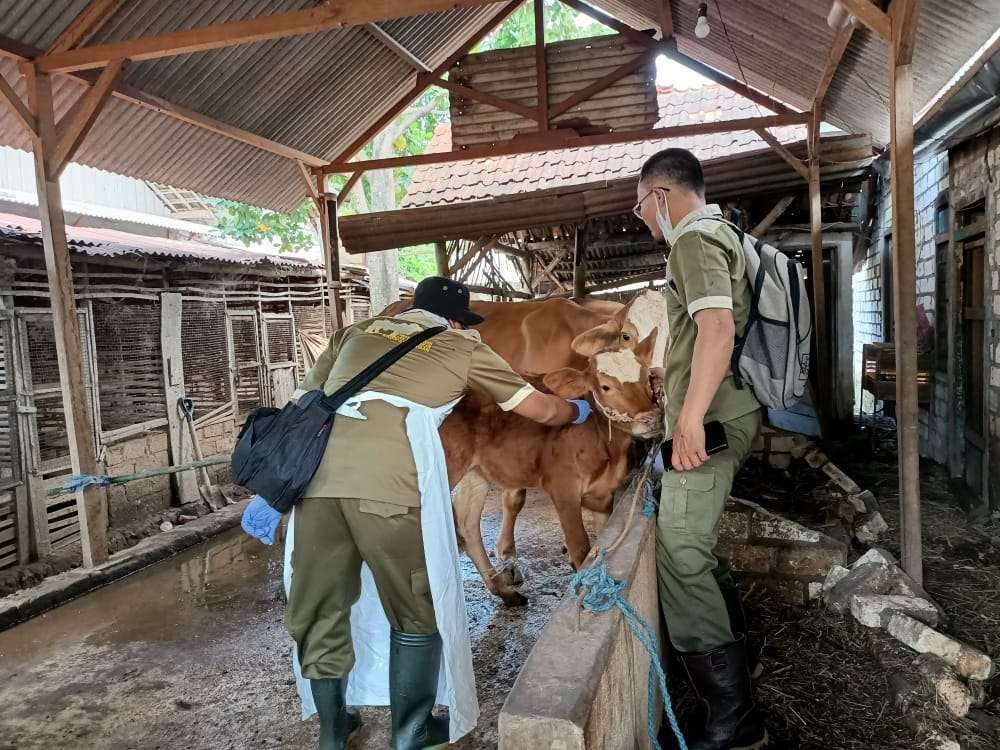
<point x="738" y="624"/>
<point x="414" y="665"/>
<point x="721" y="681"/>
<point x="336" y="722"/>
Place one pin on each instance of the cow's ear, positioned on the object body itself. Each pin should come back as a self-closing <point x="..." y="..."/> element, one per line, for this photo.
<point x="598" y="339"/>
<point x="644" y="352"/>
<point x="567" y="382"/>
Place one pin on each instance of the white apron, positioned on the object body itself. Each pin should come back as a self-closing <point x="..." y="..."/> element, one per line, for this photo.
<point x="368" y="684"/>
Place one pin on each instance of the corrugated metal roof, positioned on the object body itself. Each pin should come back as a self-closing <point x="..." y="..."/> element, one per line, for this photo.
<point x="315" y="92"/>
<point x="113" y="243"/>
<point x="318" y="92"/>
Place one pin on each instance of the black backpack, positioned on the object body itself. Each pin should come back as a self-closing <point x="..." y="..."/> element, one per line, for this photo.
<point x="278" y="451"/>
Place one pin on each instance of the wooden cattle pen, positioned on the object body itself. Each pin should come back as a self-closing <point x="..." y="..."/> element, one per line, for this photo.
<point x="158" y="320"/>
<point x="290" y="91"/>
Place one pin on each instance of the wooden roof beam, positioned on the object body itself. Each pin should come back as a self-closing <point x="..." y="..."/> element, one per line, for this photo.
<point x="422" y="83"/>
<point x="604" y="82"/>
<point x="773" y="215"/>
<point x="18" y="106"/>
<point x="903" y="15"/>
<point x="332" y="14"/>
<point x="86" y="23"/>
<point x="312" y="181"/>
<point x="837" y="49"/>
<point x="779" y="148"/>
<point x="866" y="12"/>
<point x="82" y="117"/>
<point x="397" y="47"/>
<point x="639" y="37"/>
<point x="14" y="50"/>
<point x="666" y="20"/>
<point x="557" y="140"/>
<point x="497" y="102"/>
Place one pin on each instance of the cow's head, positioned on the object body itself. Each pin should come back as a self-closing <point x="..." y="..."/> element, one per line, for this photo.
<point x="643" y="317"/>
<point x="617" y="381"/>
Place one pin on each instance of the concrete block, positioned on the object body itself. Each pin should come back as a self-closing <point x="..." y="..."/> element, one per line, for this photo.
<point x="836" y="575"/>
<point x="781" y="443"/>
<point x="841" y="479"/>
<point x="748" y="558"/>
<point x="870" y="529"/>
<point x="948" y="690"/>
<point x="813" y="562"/>
<point x="135" y="448"/>
<point x="767" y="526"/>
<point x="875" y="555"/>
<point x="814" y="590"/>
<point x="966" y="661"/>
<point x="875" y="610"/>
<point x="780" y="460"/>
<point x="873" y="578"/>
<point x="734" y="525"/>
<point x="816" y="458"/>
<point x="800" y="446"/>
<point x="158" y="442"/>
<point x="865" y="502"/>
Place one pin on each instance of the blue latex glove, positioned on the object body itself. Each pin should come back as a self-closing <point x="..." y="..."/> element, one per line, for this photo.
<point x="260" y="520"/>
<point x="583" y="407"/>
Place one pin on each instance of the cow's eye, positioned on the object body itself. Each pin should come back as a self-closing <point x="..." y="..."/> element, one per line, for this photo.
<point x="626" y="337"/>
<point x="605" y="387"/>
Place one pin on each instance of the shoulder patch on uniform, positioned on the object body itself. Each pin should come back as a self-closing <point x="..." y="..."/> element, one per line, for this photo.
<point x="397" y="331"/>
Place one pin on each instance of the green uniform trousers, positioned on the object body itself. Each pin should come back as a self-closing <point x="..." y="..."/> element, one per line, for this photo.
<point x="332" y="538"/>
<point x="690" y="576"/>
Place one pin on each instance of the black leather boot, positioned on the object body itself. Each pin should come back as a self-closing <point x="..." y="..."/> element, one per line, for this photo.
<point x="414" y="665"/>
<point x="336" y="722"/>
<point x="721" y="681"/>
<point x="738" y="624"/>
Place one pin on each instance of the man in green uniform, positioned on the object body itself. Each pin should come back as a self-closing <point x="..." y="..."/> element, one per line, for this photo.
<point x="708" y="301"/>
<point x="363" y="505"/>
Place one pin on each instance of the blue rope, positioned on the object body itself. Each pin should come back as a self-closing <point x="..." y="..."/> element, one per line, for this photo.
<point x="79" y="482"/>
<point x="604" y="593"/>
<point x="650" y="507"/>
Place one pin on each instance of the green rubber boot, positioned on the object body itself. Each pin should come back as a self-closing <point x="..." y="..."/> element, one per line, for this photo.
<point x="336" y="722"/>
<point x="414" y="665"/>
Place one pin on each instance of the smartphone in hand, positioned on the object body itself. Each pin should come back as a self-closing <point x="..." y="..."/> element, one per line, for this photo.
<point x="715" y="442"/>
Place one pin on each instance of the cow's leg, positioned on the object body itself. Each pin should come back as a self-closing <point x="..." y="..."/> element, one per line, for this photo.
<point x="513" y="503"/>
<point x="570" y="511"/>
<point x="468" y="502"/>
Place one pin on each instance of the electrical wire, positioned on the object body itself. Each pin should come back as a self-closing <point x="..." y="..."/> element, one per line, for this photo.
<point x="732" y="48"/>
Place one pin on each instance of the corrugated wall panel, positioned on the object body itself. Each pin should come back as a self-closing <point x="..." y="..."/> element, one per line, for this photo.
<point x="629" y="104"/>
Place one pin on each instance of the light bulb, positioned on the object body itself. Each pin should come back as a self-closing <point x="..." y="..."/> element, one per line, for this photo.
<point x="702" y="29"/>
<point x="838" y="17"/>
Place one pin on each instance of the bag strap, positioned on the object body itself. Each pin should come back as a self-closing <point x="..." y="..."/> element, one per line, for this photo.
<point x="336" y="399"/>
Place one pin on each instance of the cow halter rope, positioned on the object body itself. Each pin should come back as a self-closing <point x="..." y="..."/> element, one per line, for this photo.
<point x="597" y="591"/>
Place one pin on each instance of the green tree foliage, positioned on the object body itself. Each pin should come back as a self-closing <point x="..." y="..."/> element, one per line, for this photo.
<point x="417" y="263"/>
<point x="250" y="224"/>
<point x="562" y="23"/>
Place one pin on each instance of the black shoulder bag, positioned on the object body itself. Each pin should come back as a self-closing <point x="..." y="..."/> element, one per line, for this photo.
<point x="278" y="451"/>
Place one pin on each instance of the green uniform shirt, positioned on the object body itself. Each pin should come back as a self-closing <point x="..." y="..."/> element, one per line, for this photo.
<point x="371" y="459"/>
<point x="705" y="270"/>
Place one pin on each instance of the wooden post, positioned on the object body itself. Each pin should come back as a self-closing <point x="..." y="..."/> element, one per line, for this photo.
<point x="541" y="67"/>
<point x="904" y="271"/>
<point x="92" y="502"/>
<point x="580" y="262"/>
<point x="818" y="277"/>
<point x="441" y="257"/>
<point x="185" y="484"/>
<point x="326" y="204"/>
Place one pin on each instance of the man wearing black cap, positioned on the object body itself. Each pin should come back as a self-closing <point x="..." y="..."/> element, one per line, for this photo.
<point x="364" y="505"/>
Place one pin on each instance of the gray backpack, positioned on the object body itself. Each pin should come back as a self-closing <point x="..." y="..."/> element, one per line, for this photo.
<point x="772" y="355"/>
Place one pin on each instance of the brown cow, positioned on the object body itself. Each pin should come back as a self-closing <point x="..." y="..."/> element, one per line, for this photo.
<point x="577" y="466"/>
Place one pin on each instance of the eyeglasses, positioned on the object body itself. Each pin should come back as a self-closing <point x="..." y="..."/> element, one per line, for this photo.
<point x="637" y="208"/>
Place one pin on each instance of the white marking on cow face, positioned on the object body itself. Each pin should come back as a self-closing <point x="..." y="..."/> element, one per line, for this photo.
<point x="647" y="311"/>
<point x="621" y="365"/>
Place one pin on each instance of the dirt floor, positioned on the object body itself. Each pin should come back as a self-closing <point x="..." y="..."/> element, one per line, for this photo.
<point x="191" y="653"/>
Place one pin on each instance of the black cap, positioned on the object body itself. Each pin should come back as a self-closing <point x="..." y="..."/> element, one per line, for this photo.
<point x="447" y="298"/>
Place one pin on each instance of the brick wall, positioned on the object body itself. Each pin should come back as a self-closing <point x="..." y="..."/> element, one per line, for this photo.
<point x="143" y="498"/>
<point x="218" y="439"/>
<point x="930" y="179"/>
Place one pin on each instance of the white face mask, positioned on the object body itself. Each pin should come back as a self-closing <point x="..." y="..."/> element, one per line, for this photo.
<point x="664" y="223"/>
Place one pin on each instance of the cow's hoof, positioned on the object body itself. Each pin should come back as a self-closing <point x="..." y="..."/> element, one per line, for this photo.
<point x="511" y="575"/>
<point x="515" y="599"/>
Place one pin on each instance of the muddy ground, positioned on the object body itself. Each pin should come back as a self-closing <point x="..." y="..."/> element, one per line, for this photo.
<point x="191" y="653"/>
